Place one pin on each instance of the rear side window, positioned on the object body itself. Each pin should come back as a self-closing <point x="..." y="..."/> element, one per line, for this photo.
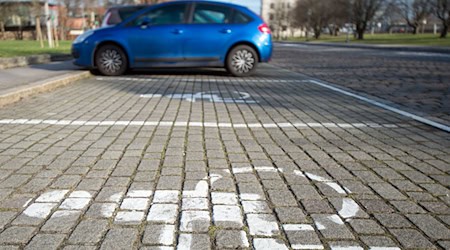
<point x="211" y="14"/>
<point x="172" y="14"/>
<point x="240" y="18"/>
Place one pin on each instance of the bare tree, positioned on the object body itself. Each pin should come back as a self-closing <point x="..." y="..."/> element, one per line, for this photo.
<point x="314" y="14"/>
<point x="442" y="11"/>
<point x="36" y="12"/>
<point x="363" y="12"/>
<point x="339" y="16"/>
<point x="5" y="14"/>
<point x="413" y="12"/>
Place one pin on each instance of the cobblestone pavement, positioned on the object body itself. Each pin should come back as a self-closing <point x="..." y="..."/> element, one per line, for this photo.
<point x="207" y="161"/>
<point x="415" y="80"/>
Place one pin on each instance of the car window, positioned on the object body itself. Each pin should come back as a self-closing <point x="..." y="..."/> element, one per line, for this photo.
<point x="208" y="13"/>
<point x="117" y="15"/>
<point x="239" y="17"/>
<point x="128" y="12"/>
<point x="172" y="14"/>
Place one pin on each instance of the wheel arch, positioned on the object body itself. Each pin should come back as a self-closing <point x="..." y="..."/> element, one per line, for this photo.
<point x="109" y="42"/>
<point x="244" y="43"/>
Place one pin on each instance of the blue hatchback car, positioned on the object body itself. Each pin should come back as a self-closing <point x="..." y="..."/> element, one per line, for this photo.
<point x="178" y="34"/>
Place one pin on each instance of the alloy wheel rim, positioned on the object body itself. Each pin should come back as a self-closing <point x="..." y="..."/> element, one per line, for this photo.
<point x="243" y="61"/>
<point x="111" y="60"/>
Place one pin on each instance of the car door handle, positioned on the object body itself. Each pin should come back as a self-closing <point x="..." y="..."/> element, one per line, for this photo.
<point x="225" y="31"/>
<point x="177" y="32"/>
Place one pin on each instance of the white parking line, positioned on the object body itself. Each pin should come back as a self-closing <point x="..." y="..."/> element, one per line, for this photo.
<point x="384" y="106"/>
<point x="198" y="124"/>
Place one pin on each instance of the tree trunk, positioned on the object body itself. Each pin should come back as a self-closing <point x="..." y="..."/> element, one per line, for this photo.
<point x="2" y="28"/>
<point x="39" y="31"/>
<point x="444" y="31"/>
<point x="317" y="33"/>
<point x="414" y="30"/>
<point x="360" y="34"/>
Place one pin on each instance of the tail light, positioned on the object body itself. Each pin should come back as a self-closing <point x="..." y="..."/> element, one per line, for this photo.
<point x="264" y="29"/>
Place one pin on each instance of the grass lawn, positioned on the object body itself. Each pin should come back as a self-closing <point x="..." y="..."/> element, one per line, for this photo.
<point x="394" y="39"/>
<point x="25" y="48"/>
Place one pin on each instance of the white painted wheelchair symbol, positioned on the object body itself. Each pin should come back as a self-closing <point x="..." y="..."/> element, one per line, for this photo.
<point x="163" y="207"/>
<point x="215" y="97"/>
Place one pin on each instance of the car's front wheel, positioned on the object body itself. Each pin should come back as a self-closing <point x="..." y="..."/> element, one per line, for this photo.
<point x="242" y="61"/>
<point x="111" y="60"/>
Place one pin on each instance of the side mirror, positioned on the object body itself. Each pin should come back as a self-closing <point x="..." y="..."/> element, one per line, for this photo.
<point x="145" y="22"/>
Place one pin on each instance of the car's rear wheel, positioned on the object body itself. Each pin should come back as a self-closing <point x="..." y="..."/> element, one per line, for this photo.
<point x="111" y="60"/>
<point x="242" y="61"/>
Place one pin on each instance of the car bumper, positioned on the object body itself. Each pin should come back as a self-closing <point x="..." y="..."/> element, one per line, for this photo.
<point x="82" y="53"/>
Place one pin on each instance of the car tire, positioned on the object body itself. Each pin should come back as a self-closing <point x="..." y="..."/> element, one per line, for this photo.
<point x="242" y="61"/>
<point x="111" y="60"/>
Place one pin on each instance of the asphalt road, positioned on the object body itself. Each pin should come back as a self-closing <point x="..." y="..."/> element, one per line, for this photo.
<point x="196" y="159"/>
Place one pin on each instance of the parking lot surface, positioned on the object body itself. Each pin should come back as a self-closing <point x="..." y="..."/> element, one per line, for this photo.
<point x="415" y="81"/>
<point x="200" y="160"/>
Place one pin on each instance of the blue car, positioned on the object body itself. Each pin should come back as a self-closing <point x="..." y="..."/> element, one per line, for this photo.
<point x="178" y="34"/>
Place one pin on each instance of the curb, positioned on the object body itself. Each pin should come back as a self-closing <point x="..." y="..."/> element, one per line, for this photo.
<point x="21" y="61"/>
<point x="443" y="50"/>
<point x="47" y="85"/>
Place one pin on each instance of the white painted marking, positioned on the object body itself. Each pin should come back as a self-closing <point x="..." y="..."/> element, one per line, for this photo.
<point x="267" y="169"/>
<point x="27" y="202"/>
<point x="190" y="218"/>
<point x="129" y="217"/>
<point x="331" y="184"/>
<point x="116" y="197"/>
<point x="75" y="203"/>
<point x="349" y="208"/>
<point x="201" y="190"/>
<point x="250" y="197"/>
<point x="184" y="242"/>
<point x="319" y="225"/>
<point x="385" y="106"/>
<point x="195" y="124"/>
<point x="225" y="213"/>
<point x="107" y="209"/>
<point x="80" y="194"/>
<point x="299" y="246"/>
<point x="260" y="225"/>
<point x="164" y="213"/>
<point x="298" y="227"/>
<point x="134" y="204"/>
<point x="336" y="219"/>
<point x="166" y="196"/>
<point x="52" y="196"/>
<point x="336" y="187"/>
<point x="384" y="248"/>
<point x="151" y="96"/>
<point x="39" y="210"/>
<point x="265" y="244"/>
<point x="220" y="198"/>
<point x="65" y="213"/>
<point x="140" y="193"/>
<point x="425" y="54"/>
<point x="346" y="248"/>
<point x="195" y="204"/>
<point x="242" y="170"/>
<point x="215" y="177"/>
<point x="167" y="235"/>
<point x="253" y="206"/>
<point x="208" y="96"/>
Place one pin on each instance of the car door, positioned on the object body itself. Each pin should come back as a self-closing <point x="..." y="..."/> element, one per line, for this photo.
<point x="208" y="32"/>
<point x="156" y="36"/>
